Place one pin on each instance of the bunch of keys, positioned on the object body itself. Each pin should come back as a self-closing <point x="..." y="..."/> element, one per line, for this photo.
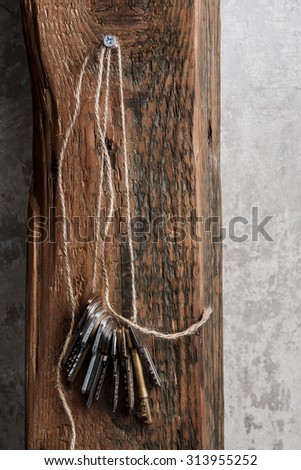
<point x="110" y="346"/>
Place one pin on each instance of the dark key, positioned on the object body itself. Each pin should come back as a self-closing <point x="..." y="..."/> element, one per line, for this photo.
<point x="128" y="372"/>
<point x="105" y="361"/>
<point x="100" y="361"/>
<point x="93" y="303"/>
<point x="93" y="363"/>
<point x="150" y="366"/>
<point x="146" y="356"/>
<point x="85" y="338"/>
<point x="95" y="381"/>
<point x="116" y="369"/>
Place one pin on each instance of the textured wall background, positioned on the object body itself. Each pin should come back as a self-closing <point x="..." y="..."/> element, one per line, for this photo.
<point x="261" y="166"/>
<point x="15" y="164"/>
<point x="261" y="89"/>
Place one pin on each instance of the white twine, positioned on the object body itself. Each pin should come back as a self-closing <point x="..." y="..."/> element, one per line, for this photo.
<point x="101" y="170"/>
<point x="127" y="185"/>
<point x="105" y="163"/>
<point x="71" y="293"/>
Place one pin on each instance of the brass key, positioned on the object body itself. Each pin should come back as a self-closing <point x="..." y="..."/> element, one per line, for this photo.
<point x="145" y="412"/>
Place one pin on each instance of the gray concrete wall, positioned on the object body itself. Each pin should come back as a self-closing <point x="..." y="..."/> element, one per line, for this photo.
<point x="15" y="168"/>
<point x="261" y="167"/>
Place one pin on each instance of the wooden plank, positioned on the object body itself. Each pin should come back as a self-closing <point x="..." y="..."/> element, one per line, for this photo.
<point x="171" y="56"/>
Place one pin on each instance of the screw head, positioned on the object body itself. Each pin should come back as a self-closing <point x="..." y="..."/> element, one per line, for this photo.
<point x="109" y="40"/>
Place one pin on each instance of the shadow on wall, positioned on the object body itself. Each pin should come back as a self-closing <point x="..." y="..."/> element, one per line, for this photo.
<point x="15" y="160"/>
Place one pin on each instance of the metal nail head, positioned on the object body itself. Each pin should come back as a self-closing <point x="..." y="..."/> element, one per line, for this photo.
<point x="109" y="40"/>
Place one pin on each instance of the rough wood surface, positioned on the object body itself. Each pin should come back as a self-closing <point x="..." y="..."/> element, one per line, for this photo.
<point x="171" y="57"/>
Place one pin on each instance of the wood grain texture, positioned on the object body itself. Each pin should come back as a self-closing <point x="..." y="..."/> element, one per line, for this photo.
<point x="171" y="55"/>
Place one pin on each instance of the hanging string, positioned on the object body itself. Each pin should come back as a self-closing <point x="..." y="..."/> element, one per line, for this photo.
<point x="100" y="242"/>
<point x="104" y="164"/>
<point x="105" y="160"/>
<point x="71" y="292"/>
<point x="127" y="186"/>
<point x="101" y="171"/>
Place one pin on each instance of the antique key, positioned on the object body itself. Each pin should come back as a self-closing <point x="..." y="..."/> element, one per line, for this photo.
<point x="145" y="412"/>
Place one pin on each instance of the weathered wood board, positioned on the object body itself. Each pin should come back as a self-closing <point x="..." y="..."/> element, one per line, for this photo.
<point x="171" y="58"/>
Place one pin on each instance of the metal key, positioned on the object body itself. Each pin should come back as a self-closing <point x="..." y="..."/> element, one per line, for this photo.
<point x="127" y="368"/>
<point x="105" y="360"/>
<point x="72" y="356"/>
<point x="91" y="304"/>
<point x="83" y="345"/>
<point x="95" y="373"/>
<point x="145" y="412"/>
<point x="93" y="363"/>
<point x="100" y="362"/>
<point x="145" y="354"/>
<point x="88" y="334"/>
<point x="130" y="397"/>
<point x="116" y="370"/>
<point x="151" y="366"/>
<point x="96" y="350"/>
<point x="78" y="363"/>
<point x="92" y="326"/>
